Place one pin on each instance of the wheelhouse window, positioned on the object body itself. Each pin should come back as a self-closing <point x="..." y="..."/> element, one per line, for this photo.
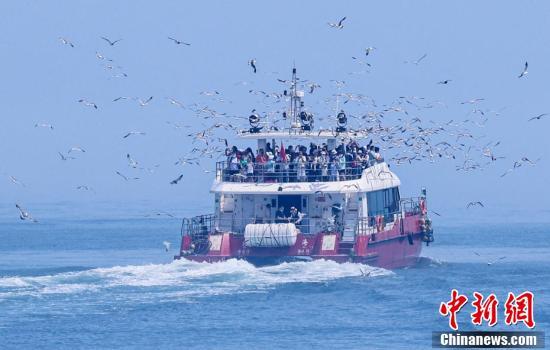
<point x="383" y="202"/>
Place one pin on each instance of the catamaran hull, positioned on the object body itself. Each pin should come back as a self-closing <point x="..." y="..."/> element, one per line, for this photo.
<point x="395" y="248"/>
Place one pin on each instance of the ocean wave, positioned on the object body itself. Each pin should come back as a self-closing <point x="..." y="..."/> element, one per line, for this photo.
<point x="185" y="278"/>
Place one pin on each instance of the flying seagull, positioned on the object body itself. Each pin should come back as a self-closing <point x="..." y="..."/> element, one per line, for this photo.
<point x="179" y="42"/>
<point x="44" y="125"/>
<point x="252" y="64"/>
<point x="368" y="50"/>
<point x="524" y="70"/>
<point x="15" y="181"/>
<point x="23" y="214"/>
<point x="64" y="157"/>
<point x="85" y="188"/>
<point x="538" y="117"/>
<point x="144" y="103"/>
<point x="112" y="43"/>
<point x="126" y="178"/>
<point x="87" y="103"/>
<point x="418" y="60"/>
<point x="77" y="149"/>
<point x="340" y="24"/>
<point x="444" y="82"/>
<point x="473" y="204"/>
<point x="66" y="42"/>
<point x="489" y="263"/>
<point x="131" y="161"/>
<point x="176" y="180"/>
<point x="130" y="133"/>
<point x="166" y="245"/>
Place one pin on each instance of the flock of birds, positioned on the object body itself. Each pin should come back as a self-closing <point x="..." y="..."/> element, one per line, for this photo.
<point x="405" y="137"/>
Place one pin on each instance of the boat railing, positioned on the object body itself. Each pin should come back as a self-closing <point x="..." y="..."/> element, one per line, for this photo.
<point x="283" y="172"/>
<point x="204" y="225"/>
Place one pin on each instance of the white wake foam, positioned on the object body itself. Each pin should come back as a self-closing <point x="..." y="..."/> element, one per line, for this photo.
<point x="185" y="278"/>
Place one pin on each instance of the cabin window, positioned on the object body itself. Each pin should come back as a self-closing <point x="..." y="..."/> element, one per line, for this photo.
<point x="383" y="202"/>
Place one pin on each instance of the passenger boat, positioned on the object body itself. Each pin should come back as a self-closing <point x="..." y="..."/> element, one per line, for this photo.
<point x="273" y="211"/>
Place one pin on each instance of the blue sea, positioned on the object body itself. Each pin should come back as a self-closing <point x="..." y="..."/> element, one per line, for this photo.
<point x="92" y="282"/>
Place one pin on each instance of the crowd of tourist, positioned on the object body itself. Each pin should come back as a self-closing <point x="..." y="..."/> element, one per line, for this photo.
<point x="300" y="163"/>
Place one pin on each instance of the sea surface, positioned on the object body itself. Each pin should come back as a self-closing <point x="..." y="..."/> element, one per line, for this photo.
<point x="108" y="283"/>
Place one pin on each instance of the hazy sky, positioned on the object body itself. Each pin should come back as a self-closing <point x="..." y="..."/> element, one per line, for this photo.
<point x="480" y="45"/>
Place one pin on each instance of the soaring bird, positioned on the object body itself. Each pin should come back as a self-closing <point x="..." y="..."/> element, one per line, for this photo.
<point x="66" y="42"/>
<point x="175" y="102"/>
<point x="473" y="204"/>
<point x="64" y="157"/>
<point x="77" y="149"/>
<point x="112" y="43"/>
<point x="130" y="133"/>
<point x="179" y="42"/>
<point x="176" y="180"/>
<point x="23" y="214"/>
<point x="15" y="181"/>
<point x="369" y="49"/>
<point x="252" y="64"/>
<point x="131" y="161"/>
<point x="340" y="24"/>
<point x="85" y="188"/>
<point x="144" y="103"/>
<point x="126" y="178"/>
<point x="538" y="117"/>
<point x="444" y="82"/>
<point x="87" y="103"/>
<point x="166" y="245"/>
<point x="44" y="125"/>
<point x="524" y="70"/>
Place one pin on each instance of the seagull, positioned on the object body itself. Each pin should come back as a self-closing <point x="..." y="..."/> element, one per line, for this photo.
<point x="85" y="188"/>
<point x="175" y="181"/>
<point x="87" y="103"/>
<point x="365" y="274"/>
<point x="175" y="102"/>
<point x="252" y="64"/>
<point x="131" y="161"/>
<point x="44" y="125"/>
<point x="369" y="49"/>
<point x="64" y="157"/>
<point x="418" y="60"/>
<point x="120" y="98"/>
<point x="126" y="178"/>
<point x="161" y="213"/>
<point x="340" y="24"/>
<point x="179" y="42"/>
<point x="23" y="214"/>
<point x="524" y="70"/>
<point x="166" y="245"/>
<point x="538" y="117"/>
<point x="77" y="149"/>
<point x="526" y="160"/>
<point x="133" y="133"/>
<point x="444" y="82"/>
<point x="66" y="42"/>
<point x="489" y="263"/>
<point x="144" y="103"/>
<point x="473" y="204"/>
<point x="15" y="181"/>
<point x="112" y="43"/>
<point x="436" y="213"/>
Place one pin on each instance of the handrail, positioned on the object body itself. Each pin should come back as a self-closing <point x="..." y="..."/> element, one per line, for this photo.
<point x="206" y="224"/>
<point x="309" y="171"/>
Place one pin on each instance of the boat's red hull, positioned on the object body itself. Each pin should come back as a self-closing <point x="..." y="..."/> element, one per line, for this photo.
<point x="397" y="247"/>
